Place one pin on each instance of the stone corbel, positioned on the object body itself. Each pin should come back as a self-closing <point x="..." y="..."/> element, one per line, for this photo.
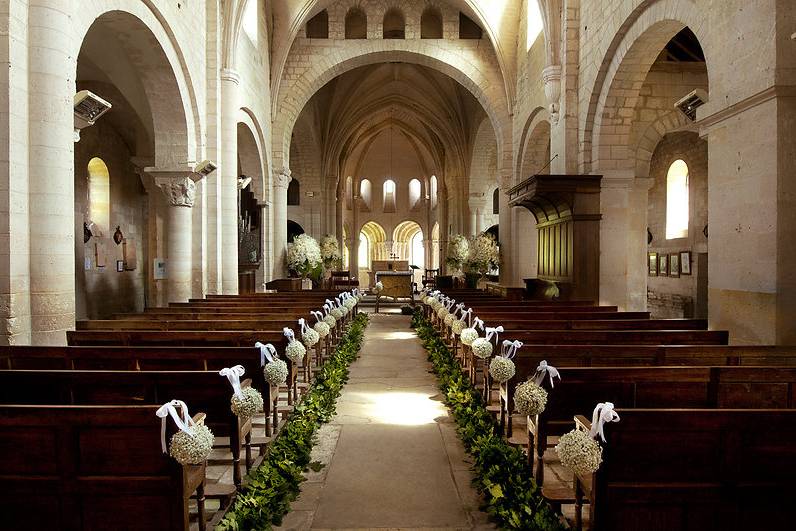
<point x="282" y="178"/>
<point x="551" y="76"/>
<point x="177" y="185"/>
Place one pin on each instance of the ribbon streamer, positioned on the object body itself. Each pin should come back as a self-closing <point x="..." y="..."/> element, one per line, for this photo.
<point x="170" y="408"/>
<point x="543" y="370"/>
<point x="511" y="348"/>
<point x="268" y="351"/>
<point x="318" y="316"/>
<point x="289" y="334"/>
<point x="303" y="324"/>
<point x="233" y="374"/>
<point x="478" y="323"/>
<point x="493" y="332"/>
<point x="603" y="413"/>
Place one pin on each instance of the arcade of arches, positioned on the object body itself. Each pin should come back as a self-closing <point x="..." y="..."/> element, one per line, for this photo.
<point x="333" y="117"/>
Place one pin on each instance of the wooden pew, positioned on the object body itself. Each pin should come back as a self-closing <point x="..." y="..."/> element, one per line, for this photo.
<point x="655" y="387"/>
<point x="92" y="468"/>
<point x="686" y="469"/>
<point x="563" y="356"/>
<point x="205" y="391"/>
<point x="164" y="323"/>
<point x="230" y="338"/>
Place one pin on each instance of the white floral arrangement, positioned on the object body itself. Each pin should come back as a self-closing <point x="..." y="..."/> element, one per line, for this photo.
<point x="449" y="319"/>
<point x="378" y="288"/>
<point x="330" y="251"/>
<point x="330" y="321"/>
<point x="502" y="369"/>
<point x="579" y="452"/>
<point x="442" y="311"/>
<point x="304" y="254"/>
<point x="246" y="406"/>
<point x="294" y="351"/>
<point x="350" y="303"/>
<point x="469" y="335"/>
<point x="458" y="249"/>
<point x="322" y="328"/>
<point x="192" y="448"/>
<point x="483" y="255"/>
<point x="530" y="399"/>
<point x="458" y="326"/>
<point x="310" y="337"/>
<point x="337" y="313"/>
<point x="482" y="348"/>
<point x="276" y="372"/>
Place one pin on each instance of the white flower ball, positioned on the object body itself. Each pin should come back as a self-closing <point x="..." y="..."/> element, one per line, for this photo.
<point x="251" y="403"/>
<point x="502" y="369"/>
<point x="449" y="319"/>
<point x="482" y="348"/>
<point x="276" y="372"/>
<point x="458" y="326"/>
<point x="579" y="452"/>
<point x="322" y="328"/>
<point x="469" y="335"/>
<point x="295" y="351"/>
<point x="350" y="303"/>
<point x="192" y="449"/>
<point x="529" y="399"/>
<point x="442" y="312"/>
<point x="310" y="337"/>
<point x="330" y="321"/>
<point x="427" y="300"/>
<point x="435" y="303"/>
<point x="337" y="313"/>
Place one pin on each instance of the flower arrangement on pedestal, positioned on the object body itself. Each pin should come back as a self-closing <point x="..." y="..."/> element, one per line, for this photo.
<point x="304" y="255"/>
<point x="483" y="254"/>
<point x="458" y="249"/>
<point x="330" y="252"/>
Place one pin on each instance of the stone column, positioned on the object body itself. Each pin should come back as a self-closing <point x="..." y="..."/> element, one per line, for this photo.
<point x="265" y="270"/>
<point x="51" y="87"/>
<point x="623" y="241"/>
<point x="354" y="257"/>
<point x="179" y="189"/>
<point x="442" y="213"/>
<point x="476" y="216"/>
<point x="507" y="266"/>
<point x="228" y="173"/>
<point x="281" y="181"/>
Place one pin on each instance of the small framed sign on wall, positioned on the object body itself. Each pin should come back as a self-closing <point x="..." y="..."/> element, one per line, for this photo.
<point x="653" y="264"/>
<point x="685" y="262"/>
<point x="663" y="265"/>
<point x="159" y="269"/>
<point x="674" y="265"/>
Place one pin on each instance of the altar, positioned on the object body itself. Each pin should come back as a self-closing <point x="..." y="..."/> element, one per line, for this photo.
<point x="396" y="285"/>
<point x="378" y="266"/>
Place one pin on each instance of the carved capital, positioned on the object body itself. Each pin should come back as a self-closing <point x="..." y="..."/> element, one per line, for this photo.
<point x="551" y="76"/>
<point x="227" y="74"/>
<point x="179" y="186"/>
<point x="282" y="178"/>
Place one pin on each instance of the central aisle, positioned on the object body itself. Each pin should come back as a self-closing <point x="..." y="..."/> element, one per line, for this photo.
<point x="392" y="456"/>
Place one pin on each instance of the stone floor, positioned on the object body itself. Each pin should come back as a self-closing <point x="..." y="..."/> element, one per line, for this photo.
<point x="392" y="459"/>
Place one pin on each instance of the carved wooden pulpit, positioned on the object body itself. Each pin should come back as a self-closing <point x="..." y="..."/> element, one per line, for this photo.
<point x="567" y="212"/>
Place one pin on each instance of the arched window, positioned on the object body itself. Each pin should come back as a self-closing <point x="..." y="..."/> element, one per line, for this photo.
<point x="318" y="26"/>
<point x="364" y="251"/>
<point x="468" y="29"/>
<point x="366" y="192"/>
<point x="250" y="20"/>
<point x="417" y="253"/>
<point x="356" y="24"/>
<point x="496" y="201"/>
<point x="433" y="191"/>
<point x="677" y="200"/>
<point x="349" y="191"/>
<point x="394" y="26"/>
<point x="431" y="24"/>
<point x="99" y="197"/>
<point x="534" y="23"/>
<point x="294" y="192"/>
<point x="415" y="189"/>
<point x="389" y="195"/>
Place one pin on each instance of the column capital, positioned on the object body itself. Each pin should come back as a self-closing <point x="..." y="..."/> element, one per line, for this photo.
<point x="551" y="76"/>
<point x="282" y="178"/>
<point x="178" y="185"/>
<point x="228" y="74"/>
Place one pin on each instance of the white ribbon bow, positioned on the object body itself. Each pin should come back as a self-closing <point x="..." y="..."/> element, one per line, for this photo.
<point x="289" y="334"/>
<point x="603" y="413"/>
<point x="318" y="316"/>
<point x="510" y="348"/>
<point x="450" y="304"/>
<point x="303" y="324"/>
<point x="493" y="332"/>
<point x="170" y="408"/>
<point x="468" y="315"/>
<point x="543" y="370"/>
<point x="267" y="351"/>
<point x="233" y="374"/>
<point x="459" y="308"/>
<point x="329" y="304"/>
<point x="478" y="323"/>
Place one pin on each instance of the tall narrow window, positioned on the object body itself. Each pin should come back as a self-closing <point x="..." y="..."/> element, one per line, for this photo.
<point x="294" y="192"/>
<point x="534" y="26"/>
<point x="431" y="24"/>
<point x="496" y="201"/>
<point x="677" y="200"/>
<point x="394" y="26"/>
<point x="349" y="191"/>
<point x="389" y="195"/>
<point x="318" y="26"/>
<point x="251" y="21"/>
<point x="356" y="24"/>
<point x="415" y="189"/>
<point x="99" y="196"/>
<point x="365" y="192"/>
<point x="364" y="251"/>
<point x="433" y="191"/>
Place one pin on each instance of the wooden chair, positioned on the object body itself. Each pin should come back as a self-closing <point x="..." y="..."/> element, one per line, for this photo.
<point x="343" y="279"/>
<point x="430" y="278"/>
